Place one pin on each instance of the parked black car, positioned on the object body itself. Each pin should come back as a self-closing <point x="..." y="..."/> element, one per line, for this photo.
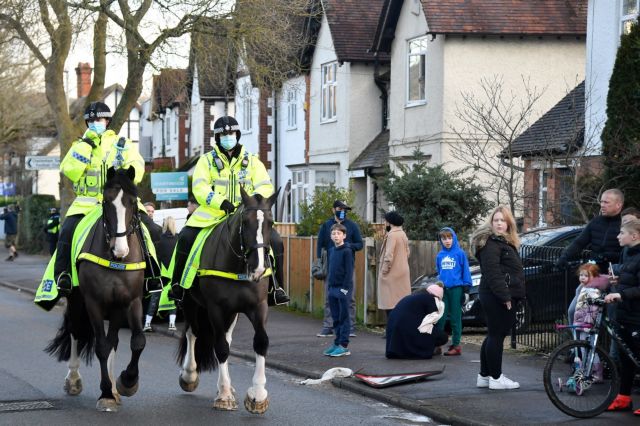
<point x="549" y="289"/>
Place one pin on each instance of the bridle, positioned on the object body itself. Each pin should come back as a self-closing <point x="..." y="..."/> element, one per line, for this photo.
<point x="133" y="226"/>
<point x="245" y="251"/>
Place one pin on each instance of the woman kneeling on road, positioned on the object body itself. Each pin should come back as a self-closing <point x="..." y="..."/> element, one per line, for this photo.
<point x="496" y="246"/>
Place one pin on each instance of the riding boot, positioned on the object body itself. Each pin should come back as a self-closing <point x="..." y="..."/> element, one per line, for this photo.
<point x="186" y="239"/>
<point x="62" y="265"/>
<point x="277" y="295"/>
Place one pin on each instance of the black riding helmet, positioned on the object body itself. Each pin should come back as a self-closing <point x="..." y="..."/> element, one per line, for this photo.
<point x="226" y="124"/>
<point x="97" y="110"/>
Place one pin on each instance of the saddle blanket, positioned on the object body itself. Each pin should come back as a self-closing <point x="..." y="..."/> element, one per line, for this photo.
<point x="47" y="293"/>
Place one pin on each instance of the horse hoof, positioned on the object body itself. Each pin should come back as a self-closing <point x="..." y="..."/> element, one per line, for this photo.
<point x="116" y="396"/>
<point x="125" y="391"/>
<point x="256" y="407"/>
<point x="188" y="387"/>
<point x="107" y="405"/>
<point x="73" y="388"/>
<point x="225" y="404"/>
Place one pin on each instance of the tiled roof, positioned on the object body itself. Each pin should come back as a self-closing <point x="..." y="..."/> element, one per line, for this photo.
<point x="488" y="17"/>
<point x="376" y="154"/>
<point x="528" y="17"/>
<point x="560" y="130"/>
<point x="169" y="87"/>
<point x="353" y="25"/>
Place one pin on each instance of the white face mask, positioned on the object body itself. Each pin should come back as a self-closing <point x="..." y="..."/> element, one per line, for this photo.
<point x="228" y="142"/>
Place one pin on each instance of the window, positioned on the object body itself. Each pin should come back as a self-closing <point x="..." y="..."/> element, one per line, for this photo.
<point x="246" y="108"/>
<point x="329" y="91"/>
<point x="416" y="71"/>
<point x="630" y="9"/>
<point x="302" y="182"/>
<point x="542" y="198"/>
<point x="292" y="109"/>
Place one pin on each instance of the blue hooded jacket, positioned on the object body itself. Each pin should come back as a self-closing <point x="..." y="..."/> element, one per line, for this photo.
<point x="452" y="264"/>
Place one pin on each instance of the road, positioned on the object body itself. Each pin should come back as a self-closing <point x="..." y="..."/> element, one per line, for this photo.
<point x="32" y="380"/>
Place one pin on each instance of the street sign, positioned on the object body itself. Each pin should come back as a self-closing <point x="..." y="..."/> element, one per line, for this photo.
<point x="41" y="162"/>
<point x="170" y="185"/>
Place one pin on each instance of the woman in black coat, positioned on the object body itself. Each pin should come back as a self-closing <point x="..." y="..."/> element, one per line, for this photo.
<point x="501" y="287"/>
<point x="404" y="339"/>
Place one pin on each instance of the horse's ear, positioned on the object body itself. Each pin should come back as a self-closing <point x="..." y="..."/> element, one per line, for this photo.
<point x="111" y="172"/>
<point x="131" y="173"/>
<point x="274" y="197"/>
<point x="245" y="196"/>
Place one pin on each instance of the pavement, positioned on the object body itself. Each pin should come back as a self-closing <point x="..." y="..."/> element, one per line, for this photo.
<point x="448" y="398"/>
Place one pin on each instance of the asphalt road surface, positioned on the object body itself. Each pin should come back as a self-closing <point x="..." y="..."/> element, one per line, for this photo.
<point x="31" y="385"/>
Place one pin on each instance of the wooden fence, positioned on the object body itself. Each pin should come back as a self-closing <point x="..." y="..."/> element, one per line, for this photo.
<point x="307" y="293"/>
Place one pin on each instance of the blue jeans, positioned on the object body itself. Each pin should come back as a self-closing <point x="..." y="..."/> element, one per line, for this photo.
<point x="339" y="304"/>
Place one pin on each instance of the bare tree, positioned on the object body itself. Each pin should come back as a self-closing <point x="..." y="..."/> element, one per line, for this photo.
<point x="47" y="28"/>
<point x="491" y="122"/>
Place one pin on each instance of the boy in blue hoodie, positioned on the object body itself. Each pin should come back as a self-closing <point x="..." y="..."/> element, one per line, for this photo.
<point x="453" y="270"/>
<point x="340" y="286"/>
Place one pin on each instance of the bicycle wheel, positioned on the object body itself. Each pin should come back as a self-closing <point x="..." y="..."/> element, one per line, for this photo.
<point x="577" y="394"/>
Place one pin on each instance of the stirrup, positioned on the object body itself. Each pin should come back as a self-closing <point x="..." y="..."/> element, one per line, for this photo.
<point x="277" y="297"/>
<point x="153" y="284"/>
<point x="64" y="284"/>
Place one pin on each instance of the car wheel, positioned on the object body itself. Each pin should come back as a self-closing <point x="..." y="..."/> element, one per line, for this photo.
<point x="523" y="317"/>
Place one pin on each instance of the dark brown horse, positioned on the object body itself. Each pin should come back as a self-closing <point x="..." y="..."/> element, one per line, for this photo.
<point x="233" y="279"/>
<point x="111" y="282"/>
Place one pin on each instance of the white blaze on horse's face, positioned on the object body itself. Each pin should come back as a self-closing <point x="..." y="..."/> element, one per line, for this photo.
<point x="121" y="249"/>
<point x="257" y="273"/>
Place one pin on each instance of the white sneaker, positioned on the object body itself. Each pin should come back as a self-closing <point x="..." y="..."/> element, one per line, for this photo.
<point x="482" y="381"/>
<point x="502" y="382"/>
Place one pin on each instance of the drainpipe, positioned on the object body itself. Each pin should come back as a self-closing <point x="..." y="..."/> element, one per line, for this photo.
<point x="276" y="148"/>
<point x="383" y="91"/>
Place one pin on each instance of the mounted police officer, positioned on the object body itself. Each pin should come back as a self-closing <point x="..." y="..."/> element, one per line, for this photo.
<point x="216" y="186"/>
<point x="86" y="165"/>
<point x="52" y="229"/>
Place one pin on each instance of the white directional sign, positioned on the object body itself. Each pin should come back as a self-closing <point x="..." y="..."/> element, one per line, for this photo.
<point x="41" y="162"/>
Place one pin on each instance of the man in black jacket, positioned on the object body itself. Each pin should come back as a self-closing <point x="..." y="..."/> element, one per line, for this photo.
<point x="600" y="233"/>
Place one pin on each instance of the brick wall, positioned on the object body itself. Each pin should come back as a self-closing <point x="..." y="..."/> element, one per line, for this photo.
<point x="264" y="113"/>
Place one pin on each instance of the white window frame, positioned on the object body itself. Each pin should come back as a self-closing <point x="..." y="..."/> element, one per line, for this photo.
<point x="422" y="52"/>
<point x="247" y="109"/>
<point x="329" y="91"/>
<point x="628" y="17"/>
<point x="304" y="182"/>
<point x="292" y="109"/>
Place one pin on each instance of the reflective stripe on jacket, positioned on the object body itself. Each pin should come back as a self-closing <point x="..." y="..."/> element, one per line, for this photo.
<point x="211" y="186"/>
<point x="86" y="167"/>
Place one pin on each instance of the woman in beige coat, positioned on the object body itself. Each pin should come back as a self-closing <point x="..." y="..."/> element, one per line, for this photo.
<point x="394" y="281"/>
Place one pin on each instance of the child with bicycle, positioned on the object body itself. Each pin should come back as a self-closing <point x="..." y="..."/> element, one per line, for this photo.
<point x="626" y="295"/>
<point x="592" y="284"/>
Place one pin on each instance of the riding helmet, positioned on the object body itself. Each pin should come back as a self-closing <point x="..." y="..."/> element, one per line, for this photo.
<point x="97" y="110"/>
<point x="226" y="123"/>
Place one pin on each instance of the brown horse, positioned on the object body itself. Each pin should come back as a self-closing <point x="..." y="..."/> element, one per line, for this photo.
<point x="237" y="256"/>
<point x="111" y="283"/>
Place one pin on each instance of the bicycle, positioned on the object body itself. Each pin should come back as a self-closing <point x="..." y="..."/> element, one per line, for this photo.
<point x="579" y="387"/>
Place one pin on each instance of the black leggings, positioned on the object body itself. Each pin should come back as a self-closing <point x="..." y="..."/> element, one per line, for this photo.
<point x="499" y="323"/>
<point x="627" y="367"/>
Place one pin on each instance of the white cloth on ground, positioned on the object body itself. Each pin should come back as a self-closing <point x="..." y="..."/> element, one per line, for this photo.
<point x="328" y="375"/>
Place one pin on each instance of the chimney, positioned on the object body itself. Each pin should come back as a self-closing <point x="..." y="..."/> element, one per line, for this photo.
<point x="83" y="73"/>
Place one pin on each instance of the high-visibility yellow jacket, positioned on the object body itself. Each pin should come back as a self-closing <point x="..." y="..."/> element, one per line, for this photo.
<point x="216" y="179"/>
<point x="86" y="166"/>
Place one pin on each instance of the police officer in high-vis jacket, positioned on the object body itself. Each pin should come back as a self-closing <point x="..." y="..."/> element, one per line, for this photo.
<point x="85" y="165"/>
<point x="216" y="186"/>
<point x="52" y="229"/>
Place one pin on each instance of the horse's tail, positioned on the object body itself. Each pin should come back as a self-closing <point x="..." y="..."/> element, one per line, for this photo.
<point x="76" y="321"/>
<point x="204" y="351"/>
